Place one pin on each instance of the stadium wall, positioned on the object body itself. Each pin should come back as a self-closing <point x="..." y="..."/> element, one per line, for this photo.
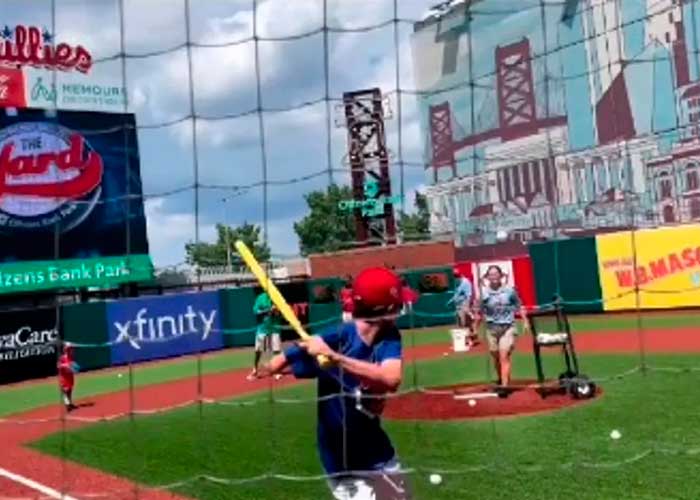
<point x="400" y="257"/>
<point x="646" y="269"/>
<point x="591" y="275"/>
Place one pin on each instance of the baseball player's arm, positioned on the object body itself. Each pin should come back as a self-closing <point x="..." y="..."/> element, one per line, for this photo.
<point x="294" y="360"/>
<point x="384" y="377"/>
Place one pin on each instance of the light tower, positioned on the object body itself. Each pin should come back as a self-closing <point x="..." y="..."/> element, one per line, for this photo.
<point x="369" y="164"/>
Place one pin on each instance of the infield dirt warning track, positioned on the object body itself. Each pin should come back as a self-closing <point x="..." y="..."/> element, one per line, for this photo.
<point x="77" y="482"/>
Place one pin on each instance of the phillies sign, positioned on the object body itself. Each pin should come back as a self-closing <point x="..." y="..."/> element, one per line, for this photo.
<point x="49" y="177"/>
<point x="30" y="46"/>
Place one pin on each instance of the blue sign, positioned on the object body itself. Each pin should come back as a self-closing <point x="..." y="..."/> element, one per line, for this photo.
<point x="159" y="327"/>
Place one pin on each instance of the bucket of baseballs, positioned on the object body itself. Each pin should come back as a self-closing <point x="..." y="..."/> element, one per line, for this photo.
<point x="459" y="339"/>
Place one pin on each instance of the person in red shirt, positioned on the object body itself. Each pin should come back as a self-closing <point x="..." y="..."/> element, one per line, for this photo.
<point x="67" y="368"/>
<point x="346" y="300"/>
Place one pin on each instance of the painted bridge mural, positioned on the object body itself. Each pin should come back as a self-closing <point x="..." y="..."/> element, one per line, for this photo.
<point x="551" y="119"/>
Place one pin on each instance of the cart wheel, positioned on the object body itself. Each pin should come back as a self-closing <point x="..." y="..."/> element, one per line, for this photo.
<point x="582" y="388"/>
<point x="565" y="379"/>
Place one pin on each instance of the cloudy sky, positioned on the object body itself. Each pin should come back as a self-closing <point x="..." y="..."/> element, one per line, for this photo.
<point x="228" y="164"/>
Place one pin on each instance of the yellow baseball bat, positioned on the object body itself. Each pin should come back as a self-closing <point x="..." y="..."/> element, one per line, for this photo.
<point x="276" y="297"/>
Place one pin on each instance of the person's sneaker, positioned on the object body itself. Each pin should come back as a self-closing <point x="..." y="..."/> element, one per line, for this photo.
<point x="253" y="375"/>
<point x="503" y="391"/>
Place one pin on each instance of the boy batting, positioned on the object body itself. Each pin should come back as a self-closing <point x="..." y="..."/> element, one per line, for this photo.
<point x="355" y="451"/>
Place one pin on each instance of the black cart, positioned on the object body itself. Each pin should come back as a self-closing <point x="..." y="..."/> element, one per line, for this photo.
<point x="550" y="330"/>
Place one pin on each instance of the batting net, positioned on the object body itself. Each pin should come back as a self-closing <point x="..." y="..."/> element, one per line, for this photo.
<point x="520" y="120"/>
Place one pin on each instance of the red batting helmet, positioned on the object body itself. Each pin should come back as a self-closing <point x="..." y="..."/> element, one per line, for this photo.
<point x="376" y="293"/>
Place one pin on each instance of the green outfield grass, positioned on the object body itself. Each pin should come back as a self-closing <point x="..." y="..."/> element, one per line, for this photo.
<point x="34" y="395"/>
<point x="577" y="459"/>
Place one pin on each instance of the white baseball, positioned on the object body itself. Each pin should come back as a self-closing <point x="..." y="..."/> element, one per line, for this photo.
<point x="472" y="402"/>
<point x="615" y="434"/>
<point x="119" y="375"/>
<point x="435" y="478"/>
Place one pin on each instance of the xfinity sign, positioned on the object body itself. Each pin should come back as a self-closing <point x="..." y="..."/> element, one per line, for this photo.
<point x="150" y="328"/>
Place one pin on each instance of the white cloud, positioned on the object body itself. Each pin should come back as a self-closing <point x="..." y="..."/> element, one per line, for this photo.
<point x="169" y="232"/>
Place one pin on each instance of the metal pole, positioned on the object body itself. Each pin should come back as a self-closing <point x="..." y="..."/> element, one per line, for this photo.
<point x="228" y="235"/>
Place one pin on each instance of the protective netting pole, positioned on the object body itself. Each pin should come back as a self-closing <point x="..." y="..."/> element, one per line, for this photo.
<point x="399" y="105"/>
<point x="327" y="95"/>
<point x="260" y="110"/>
<point x="632" y="208"/>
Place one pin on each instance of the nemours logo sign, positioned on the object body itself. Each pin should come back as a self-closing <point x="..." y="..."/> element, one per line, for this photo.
<point x="31" y="46"/>
<point x="68" y="94"/>
<point x="49" y="176"/>
<point x="27" y="342"/>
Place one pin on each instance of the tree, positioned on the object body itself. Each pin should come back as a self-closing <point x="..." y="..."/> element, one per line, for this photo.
<point x="416" y="226"/>
<point x="171" y="278"/>
<point x="203" y="254"/>
<point x="326" y="228"/>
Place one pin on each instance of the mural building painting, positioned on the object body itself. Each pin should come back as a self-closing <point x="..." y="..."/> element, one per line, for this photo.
<point x="550" y="122"/>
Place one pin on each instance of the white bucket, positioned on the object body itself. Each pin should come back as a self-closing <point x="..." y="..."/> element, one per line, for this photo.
<point x="459" y="339"/>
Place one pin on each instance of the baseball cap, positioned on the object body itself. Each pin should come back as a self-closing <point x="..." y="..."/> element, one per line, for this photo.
<point x="377" y="293"/>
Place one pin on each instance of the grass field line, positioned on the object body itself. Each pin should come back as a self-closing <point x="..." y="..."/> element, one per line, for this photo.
<point x="34" y="485"/>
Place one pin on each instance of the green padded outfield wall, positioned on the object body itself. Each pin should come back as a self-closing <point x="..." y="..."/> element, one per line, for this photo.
<point x="435" y="287"/>
<point x="324" y="303"/>
<point x="568" y="268"/>
<point x="87" y="324"/>
<point x="237" y="316"/>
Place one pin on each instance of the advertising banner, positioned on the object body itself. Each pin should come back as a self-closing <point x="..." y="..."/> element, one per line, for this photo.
<point x="72" y="273"/>
<point x="663" y="263"/>
<point x="70" y="187"/>
<point x="12" y="88"/>
<point x="165" y="326"/>
<point x="29" y="343"/>
<point x="73" y="91"/>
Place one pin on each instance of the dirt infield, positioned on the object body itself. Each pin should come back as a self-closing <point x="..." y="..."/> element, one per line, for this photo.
<point x="474" y="401"/>
<point x="80" y="481"/>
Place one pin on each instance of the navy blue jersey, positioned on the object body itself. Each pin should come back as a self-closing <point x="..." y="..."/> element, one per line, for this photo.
<point x="349" y="439"/>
